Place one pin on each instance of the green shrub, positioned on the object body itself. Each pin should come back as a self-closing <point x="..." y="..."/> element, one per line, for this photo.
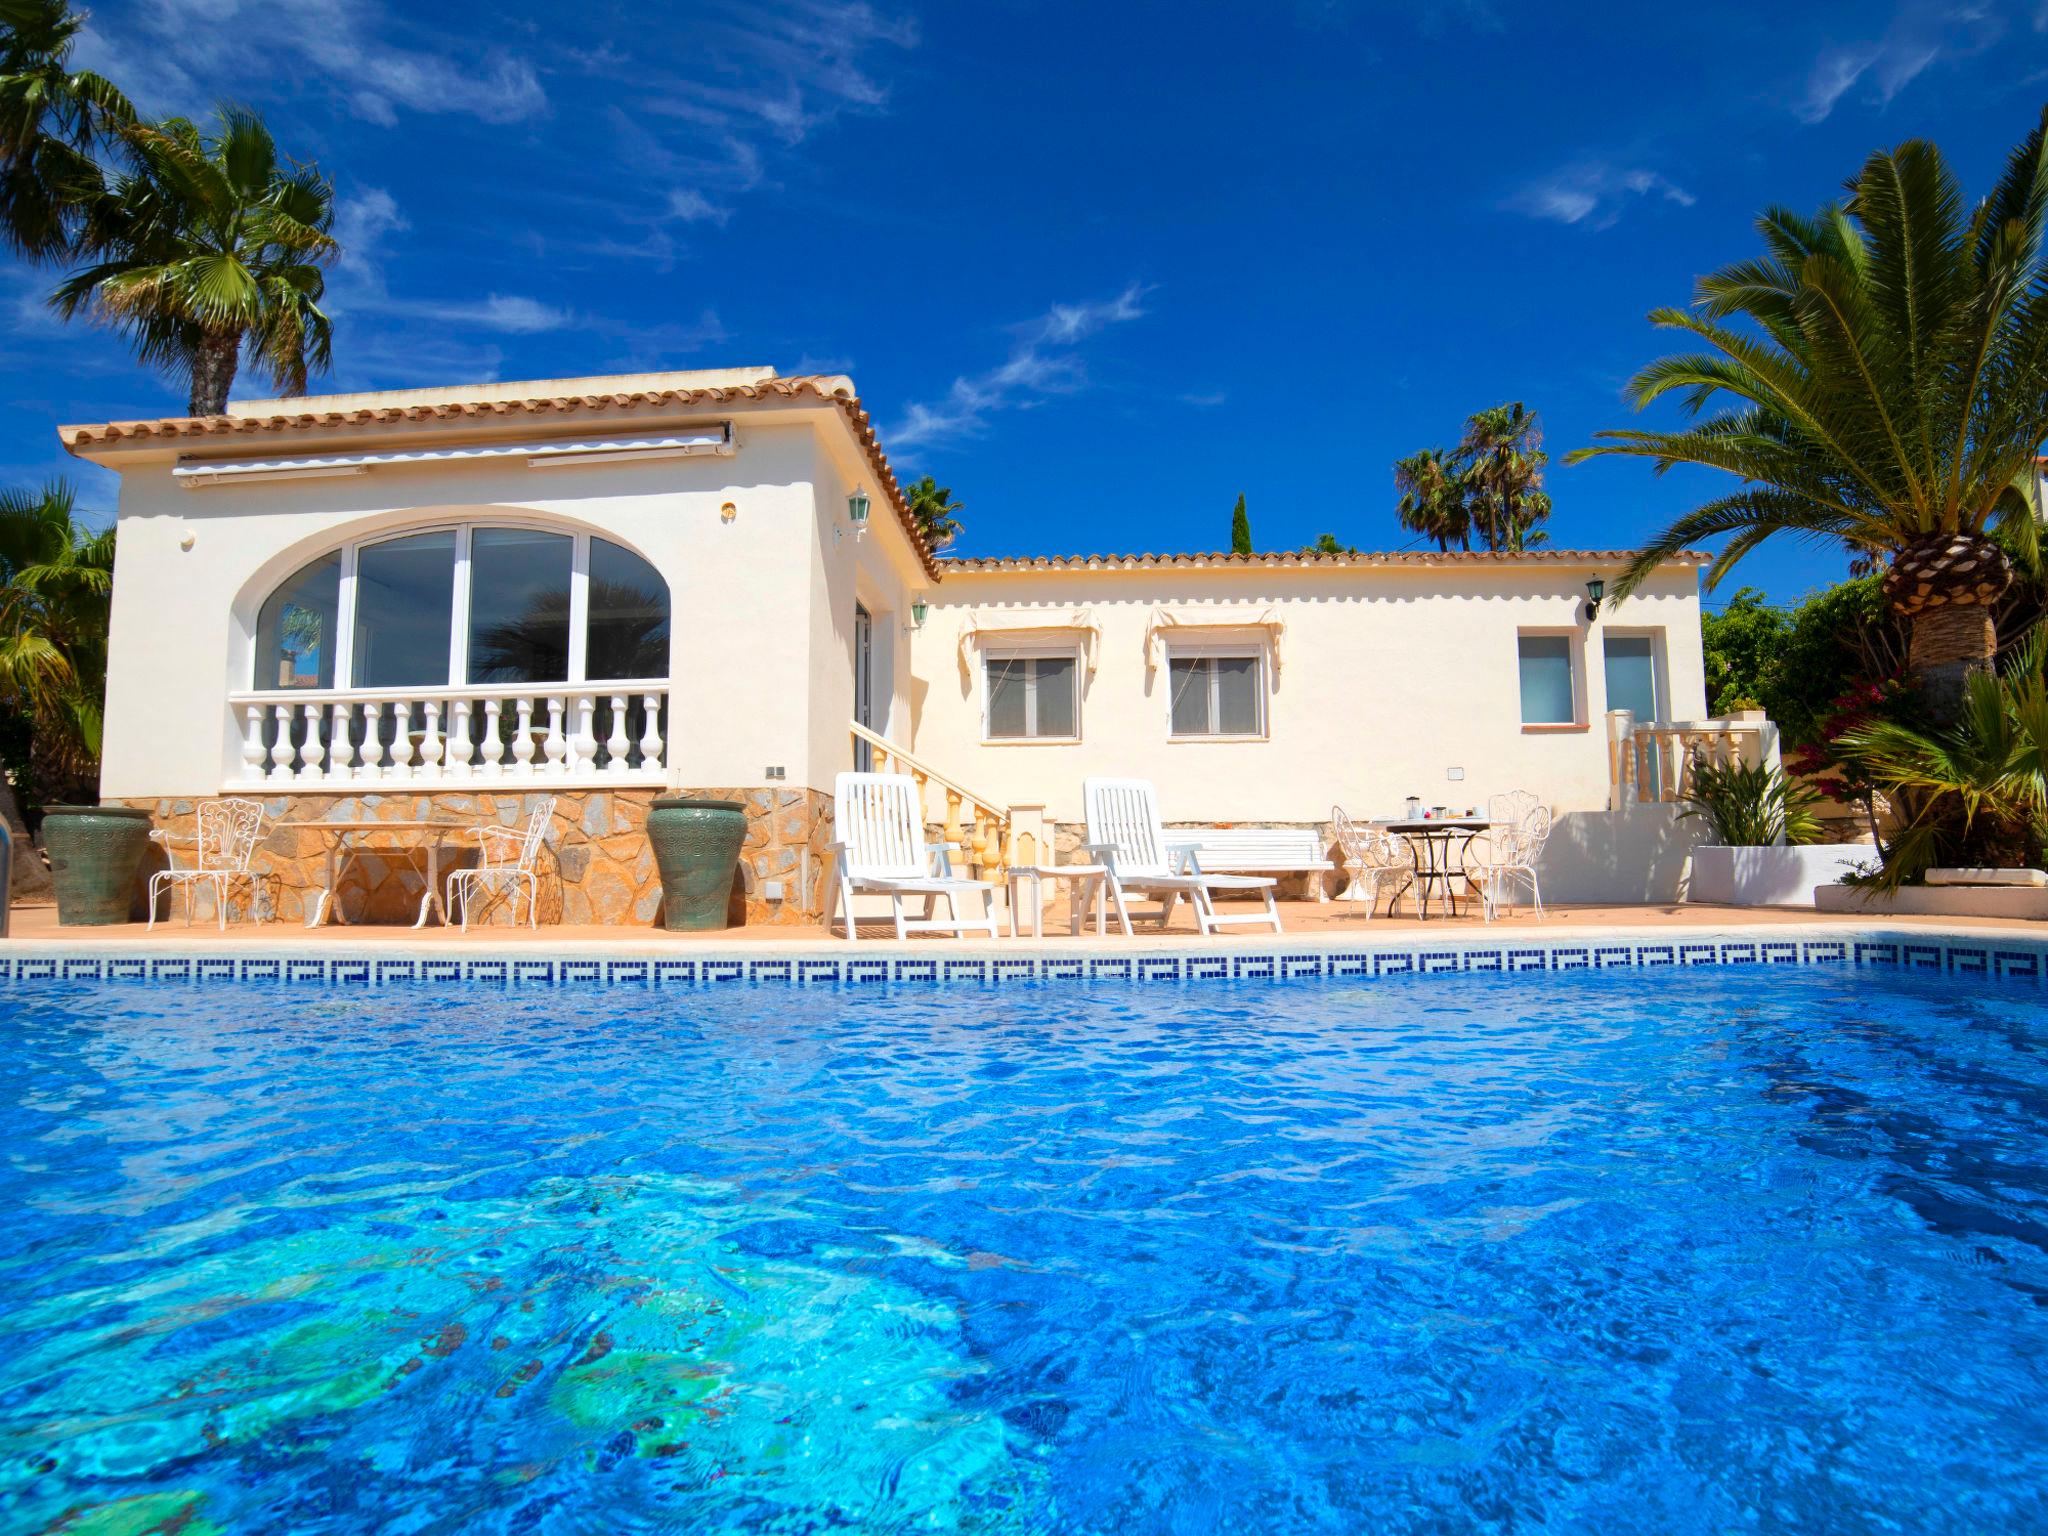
<point x="1751" y="806"/>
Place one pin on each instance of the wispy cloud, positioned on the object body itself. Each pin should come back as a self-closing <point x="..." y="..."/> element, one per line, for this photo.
<point x="1593" y="193"/>
<point x="179" y="55"/>
<point x="693" y="207"/>
<point x="1042" y="362"/>
<point x="1921" y="33"/>
<point x="759" y="79"/>
<point x="363" y="225"/>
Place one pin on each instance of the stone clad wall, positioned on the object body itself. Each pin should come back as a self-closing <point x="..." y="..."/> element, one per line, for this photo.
<point x="597" y="866"/>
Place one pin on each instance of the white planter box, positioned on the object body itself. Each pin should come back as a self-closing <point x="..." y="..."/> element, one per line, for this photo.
<point x="1939" y="901"/>
<point x="1771" y="877"/>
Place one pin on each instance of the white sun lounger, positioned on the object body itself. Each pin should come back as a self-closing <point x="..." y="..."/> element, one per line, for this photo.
<point x="882" y="848"/>
<point x="1125" y="837"/>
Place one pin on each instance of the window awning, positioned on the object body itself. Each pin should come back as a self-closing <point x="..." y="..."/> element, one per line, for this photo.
<point x="1196" y="622"/>
<point x="1030" y="624"/>
<point x="539" y="453"/>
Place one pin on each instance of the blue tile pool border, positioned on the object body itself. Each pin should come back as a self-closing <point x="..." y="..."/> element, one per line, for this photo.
<point x="2018" y="958"/>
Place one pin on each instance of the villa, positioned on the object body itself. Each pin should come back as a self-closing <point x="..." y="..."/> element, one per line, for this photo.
<point x="709" y="582"/>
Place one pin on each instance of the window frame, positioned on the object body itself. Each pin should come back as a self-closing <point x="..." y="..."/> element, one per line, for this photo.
<point x="1033" y="653"/>
<point x="458" y="627"/>
<point x="1660" y="678"/>
<point x="1254" y="651"/>
<point x="1575" y="662"/>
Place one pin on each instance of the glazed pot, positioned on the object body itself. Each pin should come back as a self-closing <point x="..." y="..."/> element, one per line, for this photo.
<point x="95" y="860"/>
<point x="697" y="848"/>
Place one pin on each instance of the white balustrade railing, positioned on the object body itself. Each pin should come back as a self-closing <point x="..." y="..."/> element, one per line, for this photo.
<point x="1652" y="763"/>
<point x="592" y="733"/>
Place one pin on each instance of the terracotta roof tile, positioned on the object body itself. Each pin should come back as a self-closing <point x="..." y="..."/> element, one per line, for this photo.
<point x="1282" y="559"/>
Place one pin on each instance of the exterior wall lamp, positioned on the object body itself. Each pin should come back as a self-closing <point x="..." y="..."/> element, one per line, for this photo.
<point x="919" y="610"/>
<point x="857" y="511"/>
<point x="1595" y="590"/>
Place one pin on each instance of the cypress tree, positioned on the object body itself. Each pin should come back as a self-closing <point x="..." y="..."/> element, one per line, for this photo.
<point x="1240" y="529"/>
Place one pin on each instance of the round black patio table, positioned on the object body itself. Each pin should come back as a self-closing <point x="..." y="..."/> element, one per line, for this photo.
<point x="1429" y="846"/>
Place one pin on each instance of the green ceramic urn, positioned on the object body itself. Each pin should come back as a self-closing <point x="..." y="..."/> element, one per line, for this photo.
<point x="95" y="858"/>
<point x="697" y="848"/>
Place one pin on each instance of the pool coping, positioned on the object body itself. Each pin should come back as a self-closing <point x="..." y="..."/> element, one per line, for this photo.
<point x="189" y="957"/>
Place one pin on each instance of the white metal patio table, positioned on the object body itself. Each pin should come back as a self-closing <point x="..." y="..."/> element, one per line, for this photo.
<point x="1084" y="881"/>
<point x="1429" y="846"/>
<point x="348" y="839"/>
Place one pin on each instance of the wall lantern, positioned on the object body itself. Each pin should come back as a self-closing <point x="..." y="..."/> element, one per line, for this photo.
<point x="857" y="512"/>
<point x="1595" y="590"/>
<point x="919" y="608"/>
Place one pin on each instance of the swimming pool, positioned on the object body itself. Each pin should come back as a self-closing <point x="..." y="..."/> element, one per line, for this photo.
<point x="1629" y="1251"/>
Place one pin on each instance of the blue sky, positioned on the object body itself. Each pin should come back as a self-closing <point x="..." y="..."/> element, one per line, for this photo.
<point x="1100" y="267"/>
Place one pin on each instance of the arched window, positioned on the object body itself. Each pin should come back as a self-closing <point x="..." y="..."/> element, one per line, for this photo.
<point x="472" y="605"/>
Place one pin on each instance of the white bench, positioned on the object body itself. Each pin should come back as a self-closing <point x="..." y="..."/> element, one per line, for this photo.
<point x="1253" y="851"/>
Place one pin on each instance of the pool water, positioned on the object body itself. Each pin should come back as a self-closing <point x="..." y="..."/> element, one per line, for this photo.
<point x="1672" y="1252"/>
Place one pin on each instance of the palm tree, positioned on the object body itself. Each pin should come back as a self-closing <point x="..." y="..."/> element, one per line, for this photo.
<point x="206" y="245"/>
<point x="1433" y="498"/>
<point x="1975" y="793"/>
<point x="56" y="578"/>
<point x="1502" y="469"/>
<point x="1889" y="391"/>
<point x="932" y="506"/>
<point x="52" y="119"/>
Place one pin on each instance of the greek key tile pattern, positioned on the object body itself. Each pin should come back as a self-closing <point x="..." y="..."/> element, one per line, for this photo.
<point x="2018" y="960"/>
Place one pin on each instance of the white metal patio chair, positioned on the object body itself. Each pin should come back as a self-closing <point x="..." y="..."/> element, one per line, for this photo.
<point x="505" y="866"/>
<point x="881" y="849"/>
<point x="1375" y="860"/>
<point x="1125" y="836"/>
<point x="228" y="833"/>
<point x="1507" y="851"/>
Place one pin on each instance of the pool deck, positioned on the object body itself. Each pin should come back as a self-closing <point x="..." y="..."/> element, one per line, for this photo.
<point x="1309" y="926"/>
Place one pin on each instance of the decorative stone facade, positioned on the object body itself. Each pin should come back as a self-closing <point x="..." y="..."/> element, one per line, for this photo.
<point x="597" y="866"/>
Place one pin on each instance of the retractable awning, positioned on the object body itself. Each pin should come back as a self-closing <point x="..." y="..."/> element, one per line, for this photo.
<point x="1192" y="620"/>
<point x="715" y="439"/>
<point x="1024" y="624"/>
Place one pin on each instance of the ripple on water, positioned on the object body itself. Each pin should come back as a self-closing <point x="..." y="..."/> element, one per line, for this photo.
<point x="1635" y="1252"/>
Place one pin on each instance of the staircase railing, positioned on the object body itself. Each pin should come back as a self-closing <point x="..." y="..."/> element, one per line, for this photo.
<point x="984" y="830"/>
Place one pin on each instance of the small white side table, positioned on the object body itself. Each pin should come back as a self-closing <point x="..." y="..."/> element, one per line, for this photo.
<point x="1083" y="881"/>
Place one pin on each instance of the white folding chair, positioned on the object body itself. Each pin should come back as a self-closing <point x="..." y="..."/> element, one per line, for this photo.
<point x="881" y="848"/>
<point x="1126" y="837"/>
<point x="228" y="833"/>
<point x="505" y="866"/>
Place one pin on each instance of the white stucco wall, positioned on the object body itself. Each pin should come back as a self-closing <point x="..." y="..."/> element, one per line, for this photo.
<point x="761" y="657"/>
<point x="1389" y="678"/>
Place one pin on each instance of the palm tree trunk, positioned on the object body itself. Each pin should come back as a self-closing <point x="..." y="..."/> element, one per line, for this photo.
<point x="213" y="372"/>
<point x="1949" y="643"/>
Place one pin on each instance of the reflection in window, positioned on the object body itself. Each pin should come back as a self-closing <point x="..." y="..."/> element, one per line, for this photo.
<point x="405" y="605"/>
<point x="517" y="587"/>
<point x="296" y="630"/>
<point x="519" y="606"/>
<point x="628" y="634"/>
<point x="1549" y="696"/>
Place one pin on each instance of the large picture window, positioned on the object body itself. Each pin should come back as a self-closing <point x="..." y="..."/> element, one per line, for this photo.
<point x="1218" y="692"/>
<point x="469" y="605"/>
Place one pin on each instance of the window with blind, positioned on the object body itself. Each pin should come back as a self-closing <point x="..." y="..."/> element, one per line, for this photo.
<point x="1216" y="693"/>
<point x="1031" y="696"/>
